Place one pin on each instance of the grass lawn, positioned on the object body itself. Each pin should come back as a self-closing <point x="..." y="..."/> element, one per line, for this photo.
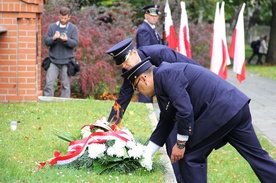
<point x="34" y="141"/>
<point x="264" y="70"/>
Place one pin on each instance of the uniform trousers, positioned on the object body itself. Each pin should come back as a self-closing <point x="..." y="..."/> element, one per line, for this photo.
<point x="239" y="133"/>
<point x="51" y="77"/>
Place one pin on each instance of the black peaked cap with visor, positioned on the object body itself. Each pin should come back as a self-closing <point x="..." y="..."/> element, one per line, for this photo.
<point x="120" y="51"/>
<point x="152" y="9"/>
<point x="137" y="70"/>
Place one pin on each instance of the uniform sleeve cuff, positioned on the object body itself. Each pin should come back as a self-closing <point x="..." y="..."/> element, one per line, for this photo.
<point x="182" y="137"/>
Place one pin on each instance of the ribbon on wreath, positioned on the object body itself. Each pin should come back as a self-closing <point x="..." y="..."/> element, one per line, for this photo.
<point x="77" y="148"/>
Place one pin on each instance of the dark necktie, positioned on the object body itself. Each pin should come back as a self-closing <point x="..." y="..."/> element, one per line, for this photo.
<point x="157" y="35"/>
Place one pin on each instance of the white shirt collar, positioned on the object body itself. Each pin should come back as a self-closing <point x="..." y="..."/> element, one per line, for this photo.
<point x="152" y="26"/>
<point x="60" y="25"/>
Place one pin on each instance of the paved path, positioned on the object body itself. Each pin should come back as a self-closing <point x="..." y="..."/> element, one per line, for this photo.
<point x="262" y="92"/>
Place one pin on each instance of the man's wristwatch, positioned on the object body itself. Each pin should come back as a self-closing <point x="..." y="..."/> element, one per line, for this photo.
<point x="181" y="145"/>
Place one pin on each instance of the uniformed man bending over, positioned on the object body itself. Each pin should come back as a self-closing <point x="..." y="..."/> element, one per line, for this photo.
<point x="208" y="112"/>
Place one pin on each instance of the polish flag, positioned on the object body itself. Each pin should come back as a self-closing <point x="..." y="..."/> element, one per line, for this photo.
<point x="184" y="39"/>
<point x="236" y="50"/>
<point x="169" y="29"/>
<point x="218" y="52"/>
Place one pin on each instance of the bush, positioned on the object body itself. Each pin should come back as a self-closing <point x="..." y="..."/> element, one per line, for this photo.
<point x="102" y="27"/>
<point x="99" y="29"/>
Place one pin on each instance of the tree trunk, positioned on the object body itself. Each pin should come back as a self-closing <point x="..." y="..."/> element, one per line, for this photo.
<point x="271" y="54"/>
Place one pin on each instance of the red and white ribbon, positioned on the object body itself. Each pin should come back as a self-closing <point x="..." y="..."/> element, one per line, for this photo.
<point x="78" y="147"/>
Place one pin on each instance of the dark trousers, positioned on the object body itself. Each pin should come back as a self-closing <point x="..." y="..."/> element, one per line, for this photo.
<point x="238" y="132"/>
<point x="252" y="56"/>
<point x="260" y="55"/>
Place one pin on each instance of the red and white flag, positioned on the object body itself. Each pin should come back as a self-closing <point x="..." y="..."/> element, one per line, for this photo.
<point x="219" y="51"/>
<point x="169" y="29"/>
<point x="184" y="38"/>
<point x="236" y="50"/>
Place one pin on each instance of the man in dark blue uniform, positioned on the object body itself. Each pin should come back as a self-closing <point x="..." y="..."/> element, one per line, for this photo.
<point x="208" y="111"/>
<point x="126" y="56"/>
<point x="148" y="35"/>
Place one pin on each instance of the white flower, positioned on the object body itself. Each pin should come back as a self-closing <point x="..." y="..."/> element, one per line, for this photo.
<point x="136" y="151"/>
<point x="118" y="149"/>
<point x="96" y="150"/>
<point x="146" y="162"/>
<point x="130" y="144"/>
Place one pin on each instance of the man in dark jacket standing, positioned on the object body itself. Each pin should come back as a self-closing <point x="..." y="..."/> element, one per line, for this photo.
<point x="147" y="34"/>
<point x="208" y="111"/>
<point x="61" y="38"/>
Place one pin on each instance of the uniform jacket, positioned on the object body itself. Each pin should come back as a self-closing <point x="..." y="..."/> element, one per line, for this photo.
<point x="62" y="52"/>
<point x="157" y="54"/>
<point x="146" y="36"/>
<point x="199" y="101"/>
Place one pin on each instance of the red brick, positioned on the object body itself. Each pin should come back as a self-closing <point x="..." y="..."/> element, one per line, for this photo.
<point x="21" y="68"/>
<point x="31" y="68"/>
<point x="9" y="15"/>
<point x="12" y="45"/>
<point x="31" y="92"/>
<point x="2" y="91"/>
<point x="7" y="21"/>
<point x="27" y="39"/>
<point x="4" y="68"/>
<point x="32" y="56"/>
<point x="31" y="80"/>
<point x="12" y="33"/>
<point x="4" y="80"/>
<point x="9" y="39"/>
<point x="31" y="98"/>
<point x="22" y="33"/>
<point x="26" y="15"/>
<point x="8" y="74"/>
<point x="26" y="74"/>
<point x="3" y="57"/>
<point x="14" y="98"/>
<point x="11" y="7"/>
<point x="12" y="92"/>
<point x="7" y="85"/>
<point x="22" y="80"/>
<point x="31" y="33"/>
<point x="27" y="51"/>
<point x="28" y="85"/>
<point x="13" y="80"/>
<point x="22" y="45"/>
<point x="4" y="45"/>
<point x="27" y="62"/>
<point x="8" y="62"/>
<point x="2" y="98"/>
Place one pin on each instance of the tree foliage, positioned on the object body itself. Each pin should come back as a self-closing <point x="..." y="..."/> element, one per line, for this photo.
<point x="103" y="23"/>
<point x="99" y="29"/>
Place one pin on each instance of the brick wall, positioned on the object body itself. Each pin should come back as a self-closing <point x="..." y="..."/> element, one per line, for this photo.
<point x="20" y="50"/>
